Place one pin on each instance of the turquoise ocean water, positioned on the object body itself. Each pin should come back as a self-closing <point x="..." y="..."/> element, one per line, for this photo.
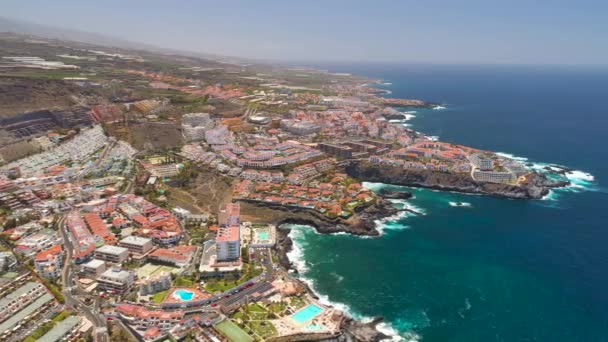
<point x="491" y="269"/>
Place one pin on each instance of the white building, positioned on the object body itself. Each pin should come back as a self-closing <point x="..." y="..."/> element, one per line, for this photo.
<point x="93" y="268"/>
<point x="156" y="283"/>
<point x="228" y="243"/>
<point x="494" y="176"/>
<point x="114" y="254"/>
<point x="137" y="244"/>
<point x="48" y="263"/>
<point x="7" y="261"/>
<point x="116" y="280"/>
<point x="194" y="126"/>
<point x="482" y="162"/>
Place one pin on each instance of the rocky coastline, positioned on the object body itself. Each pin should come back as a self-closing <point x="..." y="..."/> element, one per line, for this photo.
<point x="536" y="187"/>
<point x="395" y="194"/>
<point x="361" y="223"/>
<point x="352" y="329"/>
<point x="405" y="103"/>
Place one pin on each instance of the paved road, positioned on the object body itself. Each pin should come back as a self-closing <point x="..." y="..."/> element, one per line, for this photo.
<point x="259" y="287"/>
<point x="100" y="330"/>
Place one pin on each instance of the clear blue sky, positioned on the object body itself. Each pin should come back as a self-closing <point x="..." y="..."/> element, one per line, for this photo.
<point x="433" y="31"/>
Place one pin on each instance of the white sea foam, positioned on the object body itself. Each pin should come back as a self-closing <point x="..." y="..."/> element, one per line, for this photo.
<point x="388" y="223"/>
<point x="373" y="186"/>
<point x="580" y="176"/>
<point x="461" y="204"/>
<point x="404" y="204"/>
<point x="511" y="156"/>
<point x="551" y="196"/>
<point x="467" y="307"/>
<point x="432" y="137"/>
<point x="296" y="256"/>
<point x="579" y="180"/>
<point x="439" y="108"/>
<point x="338" y="277"/>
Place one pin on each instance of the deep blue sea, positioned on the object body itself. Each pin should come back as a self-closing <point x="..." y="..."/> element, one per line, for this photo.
<point x="493" y="269"/>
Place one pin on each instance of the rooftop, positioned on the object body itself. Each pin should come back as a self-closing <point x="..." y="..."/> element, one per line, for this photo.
<point x="135" y="240"/>
<point x="109" y="249"/>
<point x="228" y="234"/>
<point x="94" y="263"/>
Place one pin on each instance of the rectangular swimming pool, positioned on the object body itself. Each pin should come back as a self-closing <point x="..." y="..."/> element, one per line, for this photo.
<point x="307" y="313"/>
<point x="263" y="236"/>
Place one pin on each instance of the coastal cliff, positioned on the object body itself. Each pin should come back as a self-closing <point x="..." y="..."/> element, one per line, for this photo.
<point x="536" y="187"/>
<point x="351" y="328"/>
<point x="362" y="222"/>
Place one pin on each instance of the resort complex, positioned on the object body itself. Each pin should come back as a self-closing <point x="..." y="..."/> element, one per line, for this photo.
<point x="148" y="199"/>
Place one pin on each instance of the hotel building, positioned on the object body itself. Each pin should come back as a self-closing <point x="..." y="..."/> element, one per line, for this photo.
<point x="137" y="244"/>
<point x="116" y="280"/>
<point x="113" y="254"/>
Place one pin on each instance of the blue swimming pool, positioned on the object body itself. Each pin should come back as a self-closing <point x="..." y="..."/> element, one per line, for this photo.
<point x="314" y="327"/>
<point x="184" y="295"/>
<point x="263" y="236"/>
<point x="307" y="313"/>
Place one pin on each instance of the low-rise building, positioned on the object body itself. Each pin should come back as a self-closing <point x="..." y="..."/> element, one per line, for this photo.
<point x="137" y="244"/>
<point x="482" y="162"/>
<point x="93" y="268"/>
<point x="494" y="176"/>
<point x="155" y="283"/>
<point x="48" y="263"/>
<point x="20" y="298"/>
<point x="8" y="261"/>
<point x="116" y="280"/>
<point x="62" y="331"/>
<point x="114" y="254"/>
<point x="141" y="318"/>
<point x="178" y="255"/>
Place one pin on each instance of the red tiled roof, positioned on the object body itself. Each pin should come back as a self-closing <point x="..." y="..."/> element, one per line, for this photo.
<point x="45" y="254"/>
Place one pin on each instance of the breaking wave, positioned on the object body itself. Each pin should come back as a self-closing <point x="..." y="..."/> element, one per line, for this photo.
<point x="297" y="258"/>
<point x="579" y="180"/>
<point x="461" y="204"/>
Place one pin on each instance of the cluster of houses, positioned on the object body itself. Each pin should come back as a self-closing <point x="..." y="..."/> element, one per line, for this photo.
<point x="334" y="198"/>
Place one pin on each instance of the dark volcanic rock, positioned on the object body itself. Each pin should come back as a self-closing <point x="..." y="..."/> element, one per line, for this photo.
<point x="394" y="116"/>
<point x="361" y="223"/>
<point x="536" y="187"/>
<point x="395" y="194"/>
<point x="363" y="332"/>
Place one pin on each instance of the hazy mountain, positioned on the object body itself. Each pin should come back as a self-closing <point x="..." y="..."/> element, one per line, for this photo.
<point x="24" y="27"/>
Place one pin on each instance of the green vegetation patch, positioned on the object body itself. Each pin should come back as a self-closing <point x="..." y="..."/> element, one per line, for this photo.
<point x="263" y="329"/>
<point x="183" y="282"/>
<point x="159" y="296"/>
<point x="233" y="332"/>
<point x="250" y="272"/>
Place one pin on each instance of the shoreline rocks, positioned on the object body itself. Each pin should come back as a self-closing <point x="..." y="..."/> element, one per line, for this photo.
<point x="395" y="194"/>
<point x="537" y="186"/>
<point x="351" y="328"/>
